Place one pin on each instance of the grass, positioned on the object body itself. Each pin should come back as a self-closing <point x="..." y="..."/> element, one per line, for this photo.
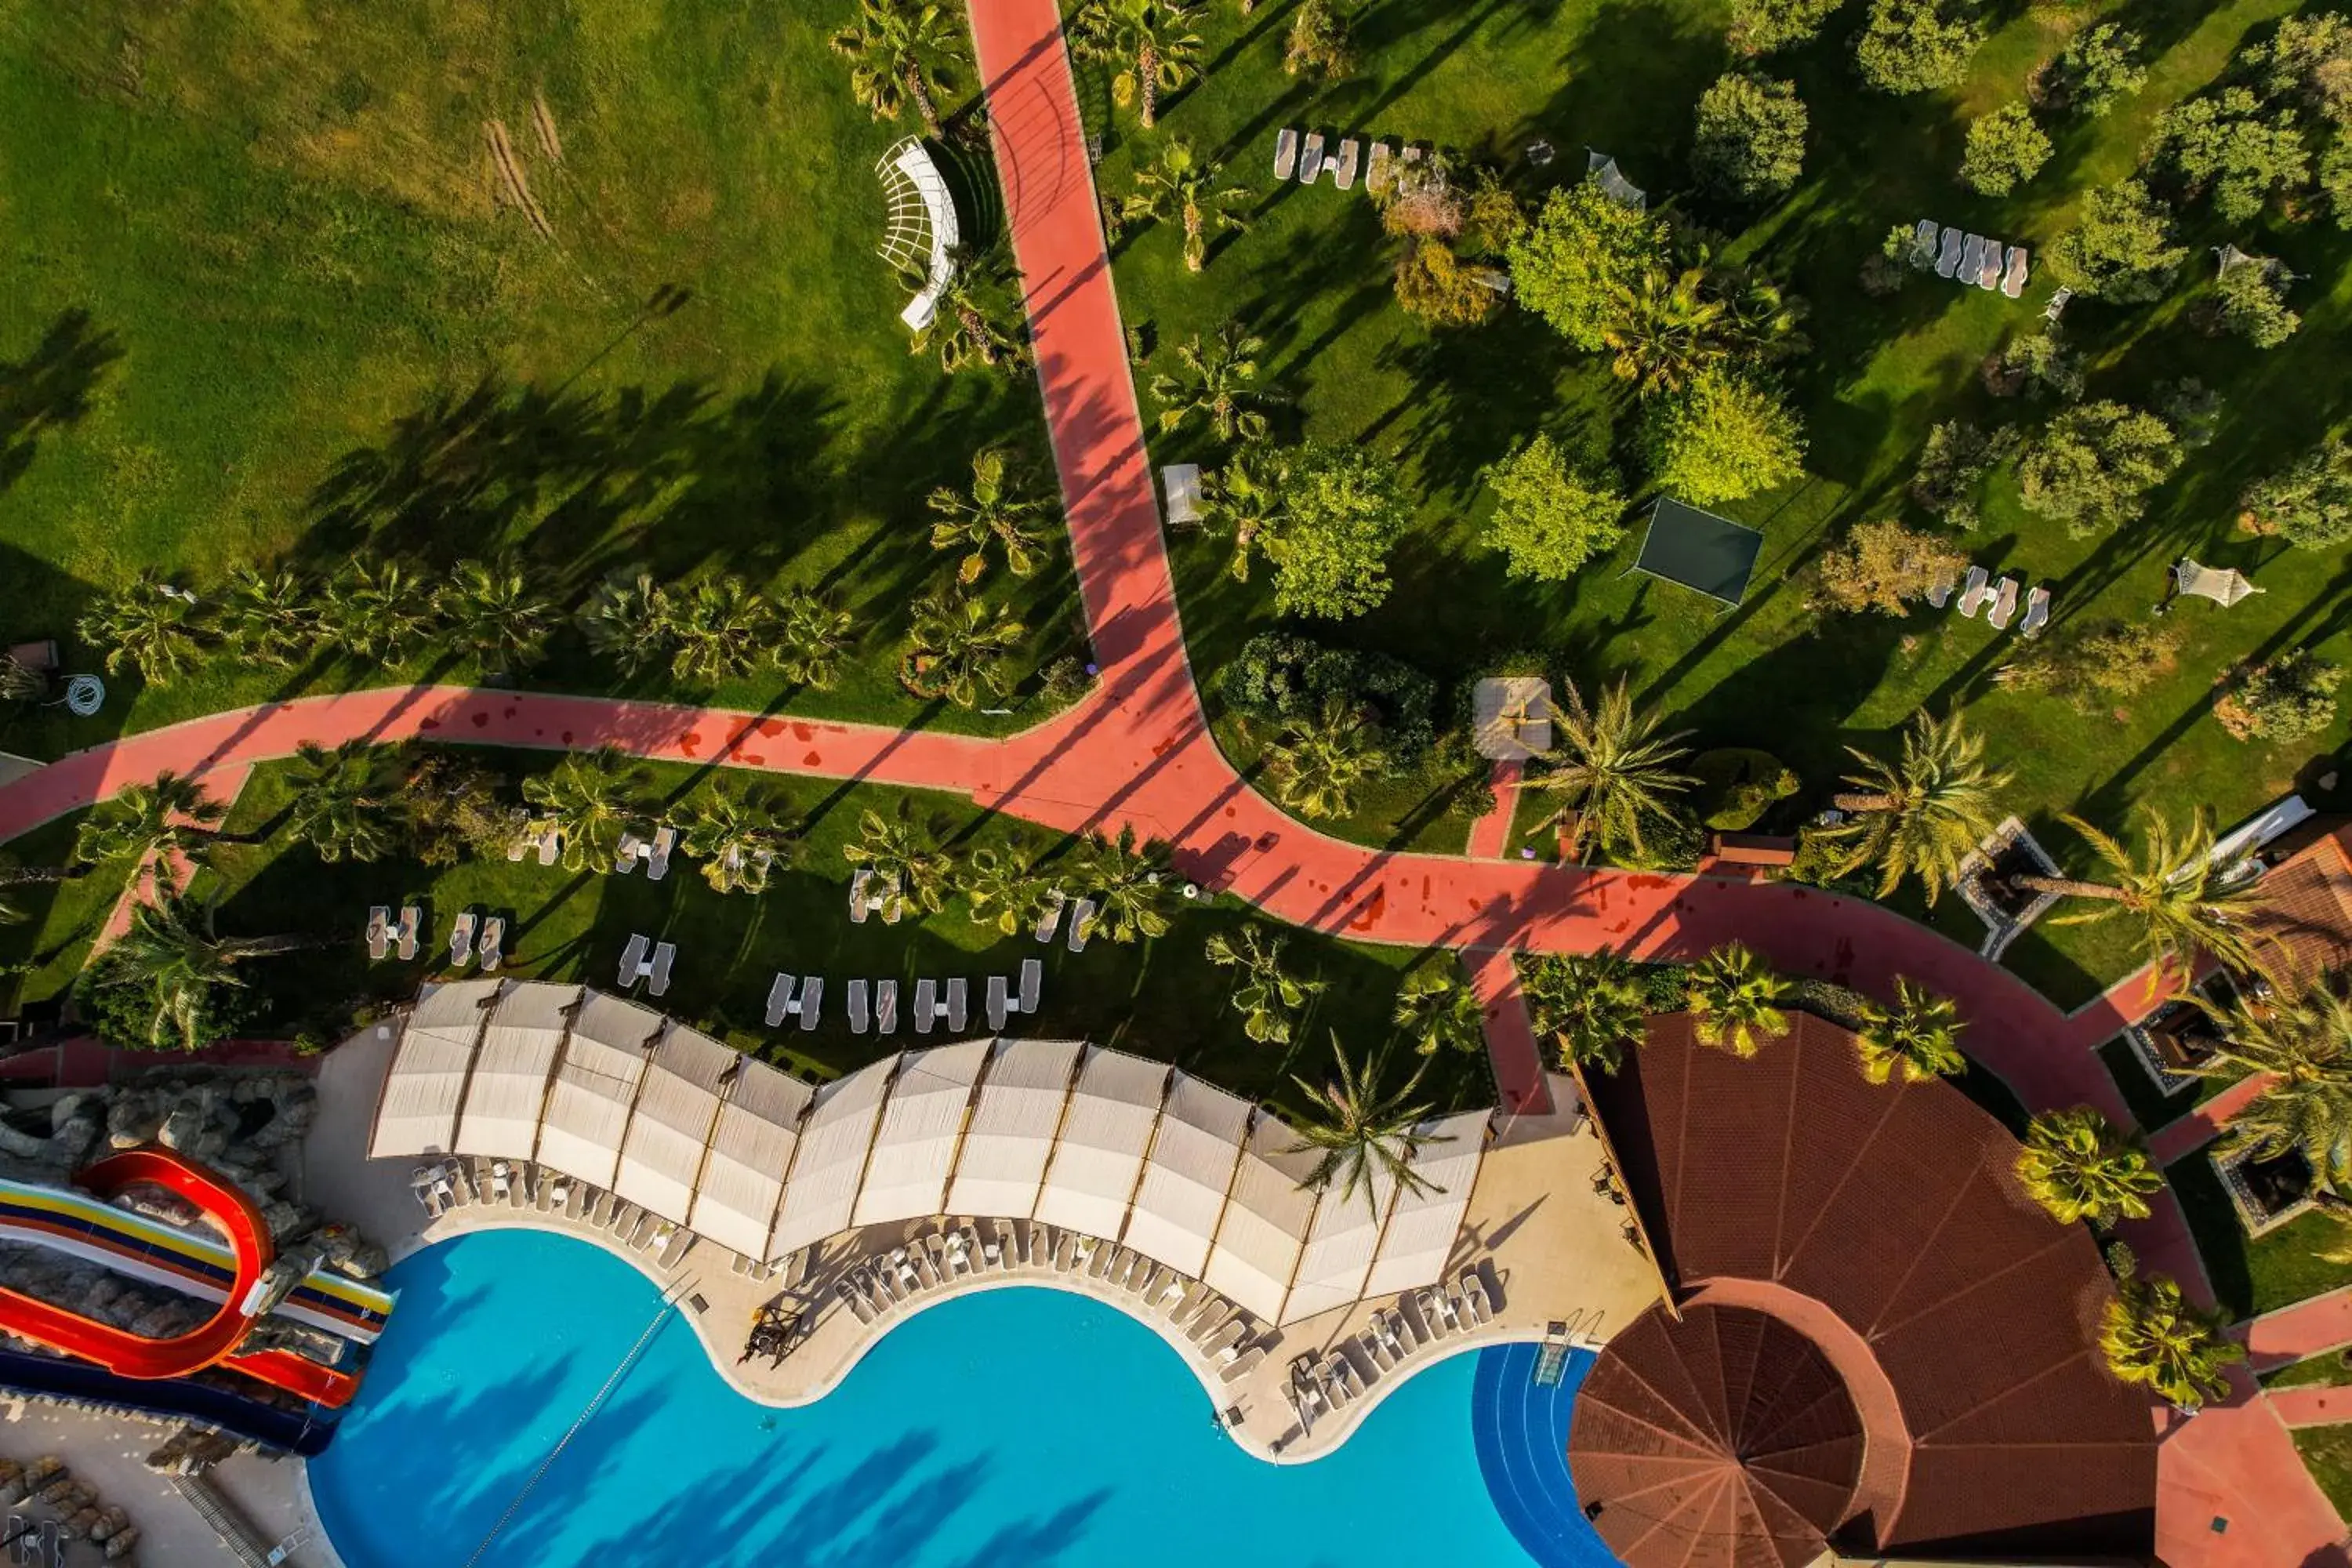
<point x="2328" y="1453"/>
<point x="260" y="301"/>
<point x="2276" y="1269"/>
<point x="1161" y="998"/>
<point x="1486" y="79"/>
<point x="2150" y="1106"/>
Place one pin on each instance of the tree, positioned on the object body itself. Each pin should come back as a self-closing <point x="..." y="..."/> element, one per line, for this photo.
<point x="905" y="856"/>
<point x="2302" y="1049"/>
<point x="1734" y="1001"/>
<point x="1243" y="498"/>
<point x="2250" y="300"/>
<point x="1320" y="42"/>
<point x="739" y="836"/>
<point x="1884" y="567"/>
<point x="1365" y="1139"/>
<point x="2180" y="897"/>
<point x="2121" y="249"/>
<point x="2095" y="662"/>
<point x="171" y="818"/>
<point x="2227" y="143"/>
<point x="1437" y="1011"/>
<point x="2098" y="69"/>
<point x="2289" y="698"/>
<point x="959" y="649"/>
<point x="1749" y="143"/>
<point x="452" y="807"/>
<point x="2309" y="60"/>
<point x="1613" y="768"/>
<point x="978" y="323"/>
<point x="1921" y="814"/>
<point x="1345" y="508"/>
<point x="1004" y="886"/>
<point x="1591" y="1004"/>
<point x="1152" y="37"/>
<point x="1953" y="468"/>
<point x="2040" y="364"/>
<point x="2151" y="1336"/>
<point x="2309" y="503"/>
<point x="591" y="799"/>
<point x="1319" y="762"/>
<point x="2093" y="465"/>
<point x="1760" y="26"/>
<point x="1918" y="46"/>
<point x="1133" y="884"/>
<point x="723" y="629"/>
<point x="1434" y="285"/>
<point x="270" y="617"/>
<point x="1666" y="327"/>
<point x="343" y="802"/>
<point x="1000" y="509"/>
<point x="377" y="611"/>
<point x="902" y="52"/>
<point x="1918" y="1034"/>
<point x="1726" y="436"/>
<point x="1269" y="998"/>
<point x="176" y="965"/>
<point x="811" y="635"/>
<point x="1551" y="516"/>
<point x="1181" y="188"/>
<point x="150" y="625"/>
<point x="2005" y="149"/>
<point x="1216" y="384"/>
<point x="1570" y="265"/>
<point x="2080" y="1166"/>
<point x="631" y="619"/>
<point x="492" y="610"/>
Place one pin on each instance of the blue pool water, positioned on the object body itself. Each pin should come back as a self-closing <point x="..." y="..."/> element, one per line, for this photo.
<point x="1015" y="1427"/>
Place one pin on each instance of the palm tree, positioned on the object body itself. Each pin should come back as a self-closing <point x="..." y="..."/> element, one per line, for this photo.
<point x="1155" y="35"/>
<point x="1736" y="1000"/>
<point x="1614" y="766"/>
<point x="1591" y="1005"/>
<point x="1215" y="383"/>
<point x="172" y="817"/>
<point x="1133" y="884"/>
<point x="1320" y="762"/>
<point x="271" y="617"/>
<point x="901" y="52"/>
<point x="593" y="797"/>
<point x="2182" y="897"/>
<point x="1363" y="1139"/>
<point x="997" y="511"/>
<point x="2152" y="1336"/>
<point x="343" y="802"/>
<point x="631" y="619"/>
<point x="812" y="633"/>
<point x="1438" y="1011"/>
<point x="149" y="626"/>
<point x="1181" y="188"/>
<point x="1918" y="1034"/>
<point x="959" y="649"/>
<point x="1004" y="886"/>
<point x="978" y="321"/>
<point x="1922" y="815"/>
<point x="1667" y="326"/>
<point x="724" y="629"/>
<point x="2304" y="1050"/>
<point x="906" y="857"/>
<point x="173" y="958"/>
<point x="2080" y="1166"/>
<point x="1269" y="998"/>
<point x="491" y="609"/>
<point x="738" y="838"/>
<point x="1244" y="497"/>
<point x="376" y="611"/>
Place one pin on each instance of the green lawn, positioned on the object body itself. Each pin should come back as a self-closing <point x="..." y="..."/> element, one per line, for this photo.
<point x="2250" y="1277"/>
<point x="2328" y="1453"/>
<point x="1161" y="998"/>
<point x="1311" y="276"/>
<point x="259" y="301"/>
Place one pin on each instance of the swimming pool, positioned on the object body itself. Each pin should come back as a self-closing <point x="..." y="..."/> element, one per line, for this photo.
<point x="1011" y="1427"/>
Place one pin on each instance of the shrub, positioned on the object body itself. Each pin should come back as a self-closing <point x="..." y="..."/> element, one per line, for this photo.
<point x="2005" y="149"/>
<point x="1881" y="566"/>
<point x="2291" y="697"/>
<point x="2092" y="467"/>
<point x="2098" y="67"/>
<point x="2227" y="143"/>
<point x="2121" y="249"/>
<point x="2309" y="504"/>
<point x="2336" y="177"/>
<point x="1918" y="46"/>
<point x="1280" y="677"/>
<point x="1581" y="249"/>
<point x="1330" y="543"/>
<point x="1432" y="285"/>
<point x="2094" y="665"/>
<point x="1551" y="517"/>
<point x="2250" y="301"/>
<point x="1952" y="469"/>
<point x="1672" y="841"/>
<point x="1724" y="435"/>
<point x="1737" y="785"/>
<point x="2038" y="363"/>
<point x="1750" y="137"/>
<point x="1760" y="26"/>
<point x="2308" y="59"/>
<point x="1320" y="42"/>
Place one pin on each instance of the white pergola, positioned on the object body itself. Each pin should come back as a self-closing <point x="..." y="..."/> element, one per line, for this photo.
<point x="920" y="234"/>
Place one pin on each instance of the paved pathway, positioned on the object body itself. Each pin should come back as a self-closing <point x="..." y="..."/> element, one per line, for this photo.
<point x="1490" y="835"/>
<point x="2311" y="1404"/>
<point x="2293" y="1333"/>
<point x="2185" y="1136"/>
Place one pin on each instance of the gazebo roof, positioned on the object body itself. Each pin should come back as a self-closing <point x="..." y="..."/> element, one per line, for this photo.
<point x="1699" y="549"/>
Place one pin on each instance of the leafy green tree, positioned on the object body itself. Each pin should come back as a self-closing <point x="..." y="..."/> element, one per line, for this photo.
<point x="2005" y="149"/>
<point x="1612" y="768"/>
<point x="1321" y="43"/>
<point x="1434" y="285"/>
<point x="2081" y="1166"/>
<point x="2181" y="898"/>
<point x="1132" y="882"/>
<point x="2307" y="60"/>
<point x="2092" y="466"/>
<point x="170" y="819"/>
<point x="149" y="626"/>
<point x="1344" y="511"/>
<point x="1437" y="1011"/>
<point x="1920" y="814"/>
<point x="2250" y="301"/>
<point x="2121" y="249"/>
<point x="270" y="617"/>
<point x="1153" y="40"/>
<point x="812" y="633"/>
<point x="1884" y="567"/>
<point x="1665" y="328"/>
<point x="2152" y="1336"/>
<point x="631" y="619"/>
<point x="2093" y="664"/>
<point x="903" y="854"/>
<point x="1181" y="188"/>
<point x="492" y="610"/>
<point x="739" y="836"/>
<point x="1318" y="763"/>
<point x="959" y="649"/>
<point x="1918" y="46"/>
<point x="378" y="611"/>
<point x="2041" y="365"/>
<point x="2289" y="698"/>
<point x="1216" y="384"/>
<point x="1734" y="1001"/>
<point x="978" y="324"/>
<point x="1002" y="511"/>
<point x="1590" y="1005"/>
<point x="1916" y="1035"/>
<point x="2098" y="69"/>
<point x="1365" y="1139"/>
<point x="2335" y="175"/>
<point x="172" y="965"/>
<point x="1953" y="468"/>
<point x="1570" y="265"/>
<point x="1760" y="26"/>
<point x="2229" y="145"/>
<point x="344" y="802"/>
<point x="1244" y="498"/>
<point x="902" y="52"/>
<point x="723" y="629"/>
<point x="1269" y="998"/>
<point x="2309" y="503"/>
<point x="1004" y="886"/>
<point x="1551" y="516"/>
<point x="1726" y="436"/>
<point x="1749" y="143"/>
<point x="2302" y="1049"/>
<point x="592" y="798"/>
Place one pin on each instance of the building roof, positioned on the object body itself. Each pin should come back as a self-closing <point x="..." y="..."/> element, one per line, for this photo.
<point x="1885" y="1224"/>
<point x="2307" y="905"/>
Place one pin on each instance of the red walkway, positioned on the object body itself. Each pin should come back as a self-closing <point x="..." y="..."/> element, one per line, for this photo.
<point x="1490" y="835"/>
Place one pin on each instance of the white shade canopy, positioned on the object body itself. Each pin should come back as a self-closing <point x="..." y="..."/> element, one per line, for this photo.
<point x="751" y="1145"/>
<point x="520" y="1040"/>
<point x="417" y="1113"/>
<point x="1090" y="1181"/>
<point x="915" y="1143"/>
<point x="661" y="1155"/>
<point x="1188" y="1173"/>
<point x="1015" y="1119"/>
<point x="834" y="1140"/>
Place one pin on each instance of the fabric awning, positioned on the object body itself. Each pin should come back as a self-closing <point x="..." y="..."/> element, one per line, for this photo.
<point x="1190" y="1170"/>
<point x="1422" y="1227"/>
<point x="509" y="1090"/>
<point x="834" y="1140"/>
<point x="426" y="1085"/>
<point x="662" y="1156"/>
<point x="1699" y="549"/>
<point x="1015" y="1119"/>
<point x="921" y="1125"/>
<point x="751" y="1145"/>
<point x="1091" y="1179"/>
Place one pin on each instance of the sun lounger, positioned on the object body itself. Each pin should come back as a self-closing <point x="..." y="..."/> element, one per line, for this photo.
<point x="1923" y="242"/>
<point x="1033" y="980"/>
<point x="655" y="1238"/>
<point x="860" y="1019"/>
<point x="411" y="922"/>
<point x="2057" y="306"/>
<point x="501" y="1181"/>
<point x="1180" y="484"/>
<point x="1974" y="594"/>
<point x="665" y="955"/>
<point x="461" y="941"/>
<point x="780" y="999"/>
<point x="1082" y="924"/>
<point x="1049" y="919"/>
<point x="959" y="997"/>
<point x="1989" y="275"/>
<point x="885" y="1006"/>
<point x="810" y="1004"/>
<point x="658" y="854"/>
<point x="2004" y="606"/>
<point x="1243" y="1364"/>
<point x="2012" y="282"/>
<point x="1344" y="171"/>
<point x="551" y="843"/>
<point x="633" y="960"/>
<point x="1971" y="259"/>
<point x="1474" y="1294"/>
<point x="680" y="1240"/>
<point x="379" y="932"/>
<point x="858" y="902"/>
<point x="1947" y="259"/>
<point x="625" y="856"/>
<point x="1286" y="153"/>
<point x="999" y="1003"/>
<point x="493" y="947"/>
<point x="855" y="1302"/>
<point x="1376" y="170"/>
<point x="2037" y="613"/>
<point x="1939" y="591"/>
<point x="926" y="991"/>
<point x="1310" y="158"/>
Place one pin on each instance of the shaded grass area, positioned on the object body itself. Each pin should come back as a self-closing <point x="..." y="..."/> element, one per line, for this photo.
<point x="1311" y="276"/>
<point x="2328" y="1454"/>
<point x="1161" y="998"/>
<point x="2150" y="1106"/>
<point x="2260" y="1275"/>
<point x="265" y="296"/>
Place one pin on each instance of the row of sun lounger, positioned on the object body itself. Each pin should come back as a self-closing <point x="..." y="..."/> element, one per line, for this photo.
<point x="875" y="1005"/>
<point x="402" y="936"/>
<point x="1979" y="589"/>
<point x="500" y="1184"/>
<point x="1305" y="159"/>
<point x="1970" y="258"/>
<point x="1318" y="1387"/>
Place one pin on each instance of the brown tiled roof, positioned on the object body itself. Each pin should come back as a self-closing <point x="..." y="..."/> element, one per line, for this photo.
<point x="1885" y="1224"/>
<point x="2307" y="910"/>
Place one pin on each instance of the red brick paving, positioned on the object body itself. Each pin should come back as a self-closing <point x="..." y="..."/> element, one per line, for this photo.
<point x="2311" y="1405"/>
<point x="2180" y="1138"/>
<point x="2293" y="1333"/>
<point x="1490" y="835"/>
